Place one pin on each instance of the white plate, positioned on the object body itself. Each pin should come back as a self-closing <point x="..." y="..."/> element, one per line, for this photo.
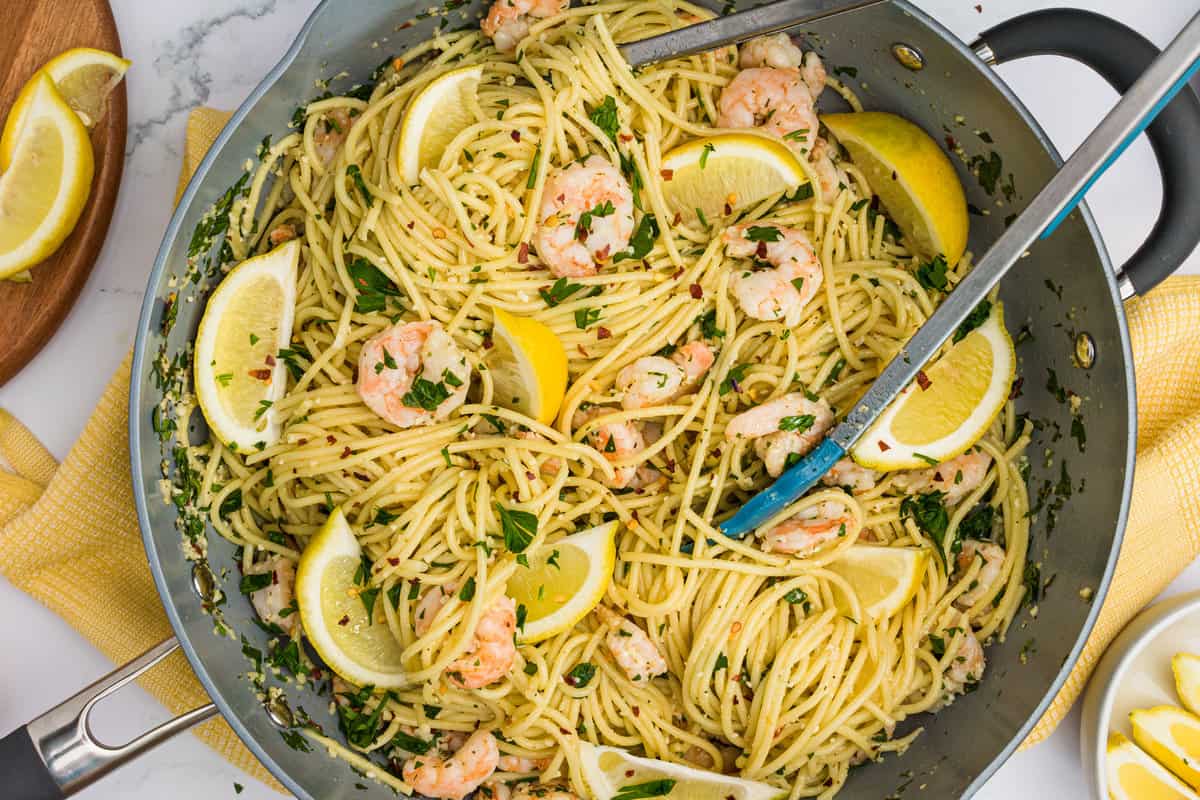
<point x="1135" y="672"/>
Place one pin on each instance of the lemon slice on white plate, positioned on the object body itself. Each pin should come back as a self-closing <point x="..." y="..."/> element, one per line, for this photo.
<point x="248" y="320"/>
<point x="1133" y="775"/>
<point x="83" y="76"/>
<point x="963" y="392"/>
<point x="1172" y="736"/>
<point x="1186" y="667"/>
<point x="360" y="649"/>
<point x="434" y="117"/>
<point x="564" y="581"/>
<point x="883" y="578"/>
<point x="610" y="771"/>
<point x="914" y="179"/>
<point x="720" y="174"/>
<point x="46" y="187"/>
<point x="528" y="366"/>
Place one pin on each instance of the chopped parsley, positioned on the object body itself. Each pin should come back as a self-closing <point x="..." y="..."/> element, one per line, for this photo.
<point x="425" y="394"/>
<point x="519" y="528"/>
<point x="559" y="291"/>
<point x="932" y="274"/>
<point x="708" y="148"/>
<point x="604" y="117"/>
<point x="642" y="241"/>
<point x="373" y="286"/>
<point x="730" y="384"/>
<point x="763" y="233"/>
<point x="799" y="423"/>
<point x="977" y="317"/>
<point x="356" y="175"/>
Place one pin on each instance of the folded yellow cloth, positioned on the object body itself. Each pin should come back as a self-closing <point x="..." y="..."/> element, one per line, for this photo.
<point x="69" y="535"/>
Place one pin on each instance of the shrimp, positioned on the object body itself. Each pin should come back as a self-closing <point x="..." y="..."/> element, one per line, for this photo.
<point x="494" y="790"/>
<point x="586" y="218"/>
<point x="654" y="380"/>
<point x="455" y="777"/>
<point x="549" y="465"/>
<point x="780" y="293"/>
<point x="412" y="374"/>
<point x="850" y="475"/>
<point x="614" y="440"/>
<point x="993" y="556"/>
<point x="776" y="50"/>
<point x="967" y="665"/>
<point x="806" y="532"/>
<point x="955" y="478"/>
<point x="273" y="599"/>
<point x="492" y="653"/>
<point x="777" y="100"/>
<point x="829" y="174"/>
<point x="283" y="232"/>
<point x="523" y="764"/>
<point x="542" y="791"/>
<point x="787" y="425"/>
<point x="631" y="648"/>
<point x="330" y="133"/>
<point x="507" y="21"/>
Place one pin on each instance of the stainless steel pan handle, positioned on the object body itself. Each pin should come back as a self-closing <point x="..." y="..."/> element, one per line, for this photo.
<point x="55" y="755"/>
<point x="1120" y="55"/>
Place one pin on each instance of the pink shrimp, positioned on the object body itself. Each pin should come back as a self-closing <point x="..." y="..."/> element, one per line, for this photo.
<point x="283" y="232"/>
<point x="966" y="666"/>
<point x="455" y="777"/>
<point x="614" y="440"/>
<point x="273" y="599"/>
<point x="955" y="478"/>
<point x="780" y="101"/>
<point x="792" y="424"/>
<point x="654" y="380"/>
<point x="492" y="652"/>
<point x="809" y="530"/>
<point x="780" y="293"/>
<point x="631" y="648"/>
<point x="330" y="133"/>
<point x="987" y="579"/>
<point x="829" y="174"/>
<point x="510" y="763"/>
<point x="848" y="474"/>
<point x="586" y="218"/>
<point x="412" y="374"/>
<point x="507" y="21"/>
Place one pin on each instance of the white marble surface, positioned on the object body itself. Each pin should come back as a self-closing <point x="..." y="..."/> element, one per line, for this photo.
<point x="191" y="53"/>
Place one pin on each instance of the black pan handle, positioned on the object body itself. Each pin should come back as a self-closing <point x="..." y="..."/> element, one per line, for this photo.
<point x="56" y="755"/>
<point x="1120" y="55"/>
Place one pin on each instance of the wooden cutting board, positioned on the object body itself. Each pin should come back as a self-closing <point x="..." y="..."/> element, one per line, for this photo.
<point x="31" y="33"/>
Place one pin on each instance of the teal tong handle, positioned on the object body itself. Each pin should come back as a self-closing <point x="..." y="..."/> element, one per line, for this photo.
<point x="1164" y="78"/>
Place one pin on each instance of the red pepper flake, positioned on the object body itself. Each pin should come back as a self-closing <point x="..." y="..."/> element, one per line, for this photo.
<point x="923" y="380"/>
<point x="625" y="137"/>
<point x="884" y="446"/>
<point x="728" y="209"/>
<point x="270" y="360"/>
<point x="634" y="513"/>
<point x="582" y="352"/>
<point x="629" y="773"/>
<point x="529" y="475"/>
<point x="331" y="439"/>
<point x="347" y="452"/>
<point x="516" y="136"/>
<point x="261" y="374"/>
<point x="300" y="442"/>
<point x="603" y="333"/>
<point x="395" y="562"/>
<point x="675" y="275"/>
<point x="602" y="253"/>
<point x="1016" y="389"/>
<point x="761" y="250"/>
<point x="678" y="218"/>
<point x="487" y="342"/>
<point x="696" y="291"/>
<point x="315" y="673"/>
<point x="523" y="253"/>
<point x="361" y="477"/>
<point x="951" y="143"/>
<point x="637" y="711"/>
<point x="345" y="620"/>
<point x="411" y="224"/>
<point x="667" y="174"/>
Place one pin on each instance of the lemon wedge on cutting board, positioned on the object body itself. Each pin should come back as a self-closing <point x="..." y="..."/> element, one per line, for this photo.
<point x="528" y="366"/>
<point x="238" y="373"/>
<point x="1186" y="667"/>
<point x="883" y="578"/>
<point x="83" y="76"/>
<point x="438" y="113"/>
<point x="1133" y="775"/>
<point x="611" y="772"/>
<point x="47" y="185"/>
<point x="564" y="581"/>
<point x="912" y="176"/>
<point x="360" y="649"/>
<point x="1172" y="736"/>
<point x="720" y="174"/>
<point x="963" y="392"/>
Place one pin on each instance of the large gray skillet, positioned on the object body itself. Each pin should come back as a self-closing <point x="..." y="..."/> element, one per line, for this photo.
<point x="1066" y="293"/>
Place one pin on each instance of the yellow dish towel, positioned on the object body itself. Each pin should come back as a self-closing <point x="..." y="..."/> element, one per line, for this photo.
<point x="69" y="535"/>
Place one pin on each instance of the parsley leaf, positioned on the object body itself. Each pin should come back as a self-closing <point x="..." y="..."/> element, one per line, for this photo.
<point x="932" y="274"/>
<point x="604" y="117"/>
<point x="977" y="317"/>
<point x="425" y="394"/>
<point x="763" y="233"/>
<point x="928" y="511"/>
<point x="519" y="528"/>
<point x="799" y="423"/>
<point x="642" y="241"/>
<point x="559" y="291"/>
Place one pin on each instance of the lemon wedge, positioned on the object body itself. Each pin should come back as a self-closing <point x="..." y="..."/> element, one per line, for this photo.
<point x="1133" y="775"/>
<point x="564" y="581"/>
<point x="883" y="578"/>
<point x="611" y="771"/>
<point x="44" y="190"/>
<point x="239" y="374"/>
<point x="84" y="77"/>
<point x="912" y="176"/>
<point x="359" y="648"/>
<point x="718" y="175"/>
<point x="438" y="113"/>
<point x="1186" y="667"/>
<point x="528" y="366"/>
<point x="1172" y="736"/>
<point x="964" y="391"/>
